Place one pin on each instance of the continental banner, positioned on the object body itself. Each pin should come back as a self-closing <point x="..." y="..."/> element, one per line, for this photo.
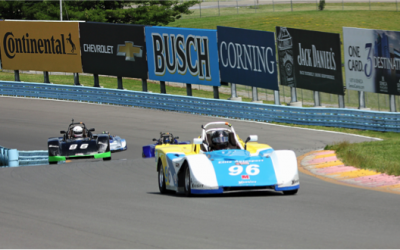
<point x="372" y="60"/>
<point x="182" y="55"/>
<point x="42" y="46"/>
<point x="247" y="57"/>
<point x="113" y="49"/>
<point x="310" y="60"/>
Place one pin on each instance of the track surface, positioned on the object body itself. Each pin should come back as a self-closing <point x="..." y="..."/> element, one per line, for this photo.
<point x="96" y="204"/>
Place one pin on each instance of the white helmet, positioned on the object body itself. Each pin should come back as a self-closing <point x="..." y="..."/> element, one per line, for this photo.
<point x="77" y="131"/>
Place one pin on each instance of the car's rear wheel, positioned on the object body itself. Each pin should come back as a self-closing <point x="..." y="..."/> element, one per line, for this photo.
<point x="161" y="179"/>
<point x="52" y="162"/>
<point x="290" y="192"/>
<point x="188" y="182"/>
<point x="107" y="159"/>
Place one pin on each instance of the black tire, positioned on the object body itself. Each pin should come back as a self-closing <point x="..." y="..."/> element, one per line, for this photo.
<point x="52" y="162"/>
<point x="188" y="182"/>
<point x="290" y="192"/>
<point x="107" y="159"/>
<point x="161" y="178"/>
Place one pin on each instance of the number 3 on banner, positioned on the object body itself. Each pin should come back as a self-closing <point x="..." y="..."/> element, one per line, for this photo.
<point x="250" y="170"/>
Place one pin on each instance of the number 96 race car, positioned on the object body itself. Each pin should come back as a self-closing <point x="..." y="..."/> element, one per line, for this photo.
<point x="219" y="161"/>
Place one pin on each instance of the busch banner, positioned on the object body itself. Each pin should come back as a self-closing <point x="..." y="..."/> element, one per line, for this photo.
<point x="247" y="57"/>
<point x="113" y="49"/>
<point x="42" y="46"/>
<point x="372" y="60"/>
<point x="310" y="60"/>
<point x="182" y="55"/>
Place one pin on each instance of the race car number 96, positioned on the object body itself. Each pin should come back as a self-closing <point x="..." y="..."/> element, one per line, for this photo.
<point x="250" y="170"/>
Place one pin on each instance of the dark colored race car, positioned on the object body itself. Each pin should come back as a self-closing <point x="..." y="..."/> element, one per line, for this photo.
<point x="78" y="142"/>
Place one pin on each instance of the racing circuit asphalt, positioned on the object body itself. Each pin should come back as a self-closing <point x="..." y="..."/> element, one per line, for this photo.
<point x="116" y="204"/>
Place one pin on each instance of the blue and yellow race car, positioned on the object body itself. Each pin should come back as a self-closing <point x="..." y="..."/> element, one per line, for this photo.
<point x="219" y="161"/>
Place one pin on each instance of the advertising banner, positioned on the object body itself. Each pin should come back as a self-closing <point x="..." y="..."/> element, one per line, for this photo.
<point x="113" y="49"/>
<point x="182" y="55"/>
<point x="372" y="60"/>
<point x="42" y="46"/>
<point x="310" y="60"/>
<point x="247" y="57"/>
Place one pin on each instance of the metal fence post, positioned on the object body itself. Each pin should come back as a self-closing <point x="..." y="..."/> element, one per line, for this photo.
<point x="144" y="85"/>
<point x="163" y="88"/>
<point x="46" y="77"/>
<point x="277" y="99"/>
<point x="341" y="101"/>
<point x="392" y="101"/>
<point x="361" y="99"/>
<point x="293" y="101"/>
<point x="317" y="98"/>
<point x="119" y="80"/>
<point x="216" y="93"/>
<point x="189" y="89"/>
<point x="96" y="80"/>
<point x="76" y="79"/>
<point x="16" y="76"/>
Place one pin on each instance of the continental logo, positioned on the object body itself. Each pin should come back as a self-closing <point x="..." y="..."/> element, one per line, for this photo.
<point x="62" y="45"/>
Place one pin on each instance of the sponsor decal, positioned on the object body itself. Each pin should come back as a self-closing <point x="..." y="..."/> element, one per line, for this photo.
<point x="295" y="181"/>
<point x="73" y="146"/>
<point x="247" y="182"/>
<point x="245" y="177"/>
<point x="129" y="51"/>
<point x="53" y="146"/>
<point x="44" y="46"/>
<point x="194" y="185"/>
<point x="242" y="163"/>
<point x="98" y="48"/>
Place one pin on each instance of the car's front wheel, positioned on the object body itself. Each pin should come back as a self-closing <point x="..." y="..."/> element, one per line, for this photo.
<point x="161" y="179"/>
<point x="188" y="182"/>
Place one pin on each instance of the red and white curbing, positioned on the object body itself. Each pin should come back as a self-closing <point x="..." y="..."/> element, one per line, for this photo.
<point x="324" y="163"/>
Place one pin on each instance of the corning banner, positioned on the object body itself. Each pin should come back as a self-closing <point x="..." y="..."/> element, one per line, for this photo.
<point x="182" y="55"/>
<point x="42" y="46"/>
<point x="113" y="49"/>
<point x="310" y="60"/>
<point x="247" y="57"/>
<point x="372" y="60"/>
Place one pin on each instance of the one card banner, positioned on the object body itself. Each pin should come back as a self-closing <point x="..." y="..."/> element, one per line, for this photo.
<point x="247" y="57"/>
<point x="40" y="45"/>
<point x="372" y="60"/>
<point x="310" y="60"/>
<point x="113" y="49"/>
<point x="182" y="55"/>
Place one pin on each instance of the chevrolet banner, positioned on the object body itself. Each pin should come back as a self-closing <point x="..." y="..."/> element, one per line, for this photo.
<point x="113" y="49"/>
<point x="42" y="46"/>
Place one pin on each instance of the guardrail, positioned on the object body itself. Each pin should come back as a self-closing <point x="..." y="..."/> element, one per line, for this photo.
<point x="331" y="117"/>
<point x="15" y="158"/>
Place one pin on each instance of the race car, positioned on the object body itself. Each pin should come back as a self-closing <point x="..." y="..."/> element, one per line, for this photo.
<point x="78" y="142"/>
<point x="165" y="138"/>
<point x="117" y="144"/>
<point x="219" y="161"/>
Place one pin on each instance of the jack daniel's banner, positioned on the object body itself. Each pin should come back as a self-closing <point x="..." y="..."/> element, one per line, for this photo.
<point x="372" y="60"/>
<point x="310" y="60"/>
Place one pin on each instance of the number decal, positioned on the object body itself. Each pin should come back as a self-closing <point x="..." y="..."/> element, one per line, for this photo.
<point x="73" y="146"/>
<point x="370" y="62"/>
<point x="250" y="170"/>
<point x="253" y="170"/>
<point x="84" y="146"/>
<point x="235" y="170"/>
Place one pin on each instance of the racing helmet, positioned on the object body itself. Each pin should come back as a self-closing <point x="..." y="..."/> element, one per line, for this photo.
<point x="220" y="139"/>
<point x="77" y="131"/>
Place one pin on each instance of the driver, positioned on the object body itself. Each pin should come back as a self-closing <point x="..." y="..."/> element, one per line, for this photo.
<point x="220" y="140"/>
<point x="77" y="132"/>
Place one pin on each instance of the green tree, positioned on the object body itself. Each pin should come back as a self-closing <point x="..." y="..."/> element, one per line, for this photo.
<point x="132" y="12"/>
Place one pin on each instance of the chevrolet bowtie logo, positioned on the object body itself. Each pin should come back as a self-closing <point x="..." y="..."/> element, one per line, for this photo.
<point x="129" y="51"/>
